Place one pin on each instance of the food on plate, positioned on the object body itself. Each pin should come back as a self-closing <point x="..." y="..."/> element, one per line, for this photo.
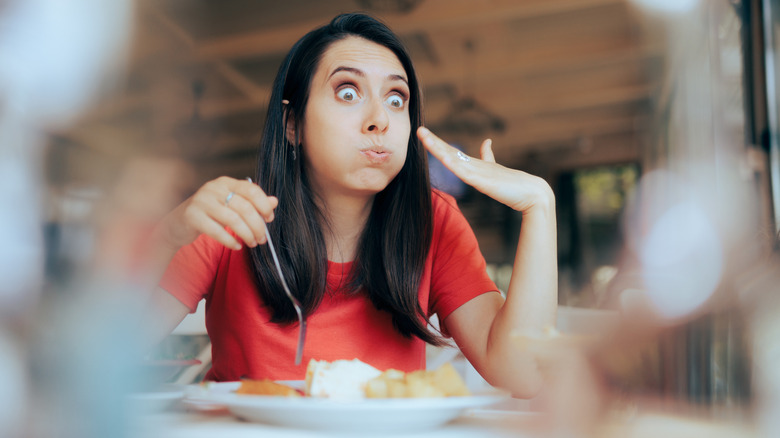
<point x="353" y="379"/>
<point x="267" y="387"/>
<point x="340" y="379"/>
<point x="356" y="380"/>
<point x="442" y="382"/>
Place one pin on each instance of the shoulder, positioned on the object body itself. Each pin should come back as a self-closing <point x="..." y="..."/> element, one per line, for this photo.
<point x="448" y="220"/>
<point x="445" y="209"/>
<point x="443" y="203"/>
<point x="208" y="245"/>
<point x="203" y="252"/>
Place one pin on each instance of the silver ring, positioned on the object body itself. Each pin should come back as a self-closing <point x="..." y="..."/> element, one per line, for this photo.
<point x="463" y="156"/>
<point x="228" y="198"/>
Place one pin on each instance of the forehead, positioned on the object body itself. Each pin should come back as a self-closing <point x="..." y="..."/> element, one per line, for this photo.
<point x="360" y="53"/>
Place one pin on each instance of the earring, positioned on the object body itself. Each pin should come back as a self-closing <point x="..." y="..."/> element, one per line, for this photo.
<point x="293" y="147"/>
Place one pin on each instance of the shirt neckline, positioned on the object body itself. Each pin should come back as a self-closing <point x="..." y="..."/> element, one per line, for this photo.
<point x="339" y="270"/>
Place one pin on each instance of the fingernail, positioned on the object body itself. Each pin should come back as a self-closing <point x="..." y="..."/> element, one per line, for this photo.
<point x="424" y="130"/>
<point x="237" y="246"/>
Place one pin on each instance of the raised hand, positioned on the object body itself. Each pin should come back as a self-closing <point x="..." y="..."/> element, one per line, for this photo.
<point x="240" y="205"/>
<point x="519" y="190"/>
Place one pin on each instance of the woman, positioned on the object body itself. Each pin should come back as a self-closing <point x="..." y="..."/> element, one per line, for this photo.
<point x="365" y="244"/>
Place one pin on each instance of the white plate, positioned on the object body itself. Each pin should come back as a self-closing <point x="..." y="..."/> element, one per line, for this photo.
<point x="369" y="415"/>
<point x="155" y="401"/>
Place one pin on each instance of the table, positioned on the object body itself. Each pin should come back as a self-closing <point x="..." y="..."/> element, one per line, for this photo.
<point x="179" y="423"/>
<point x="477" y="423"/>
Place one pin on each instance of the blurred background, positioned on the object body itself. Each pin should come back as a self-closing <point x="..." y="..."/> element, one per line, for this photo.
<point x="655" y="122"/>
<point x="588" y="94"/>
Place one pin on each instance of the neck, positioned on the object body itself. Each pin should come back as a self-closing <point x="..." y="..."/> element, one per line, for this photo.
<point x="346" y="216"/>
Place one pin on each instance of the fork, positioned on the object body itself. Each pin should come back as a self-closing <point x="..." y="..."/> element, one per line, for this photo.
<point x="295" y="302"/>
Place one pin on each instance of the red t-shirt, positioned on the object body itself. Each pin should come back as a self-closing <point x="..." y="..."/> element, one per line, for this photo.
<point x="344" y="326"/>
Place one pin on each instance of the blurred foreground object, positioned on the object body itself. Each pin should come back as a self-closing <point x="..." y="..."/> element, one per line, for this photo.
<point x="681" y="361"/>
<point x="760" y="294"/>
<point x="54" y="58"/>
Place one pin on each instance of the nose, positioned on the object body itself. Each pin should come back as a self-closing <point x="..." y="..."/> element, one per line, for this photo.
<point x="376" y="120"/>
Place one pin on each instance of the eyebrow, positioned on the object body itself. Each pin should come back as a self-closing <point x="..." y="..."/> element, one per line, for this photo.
<point x="362" y="74"/>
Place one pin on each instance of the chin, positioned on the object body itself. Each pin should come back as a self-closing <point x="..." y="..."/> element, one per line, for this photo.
<point x="374" y="184"/>
<point x="371" y="190"/>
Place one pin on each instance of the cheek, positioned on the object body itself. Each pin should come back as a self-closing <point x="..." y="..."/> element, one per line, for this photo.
<point x="403" y="129"/>
<point x="316" y="133"/>
<point x="401" y="139"/>
<point x="401" y="155"/>
<point x="404" y="139"/>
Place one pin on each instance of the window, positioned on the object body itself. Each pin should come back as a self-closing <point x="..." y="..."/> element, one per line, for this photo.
<point x="590" y="211"/>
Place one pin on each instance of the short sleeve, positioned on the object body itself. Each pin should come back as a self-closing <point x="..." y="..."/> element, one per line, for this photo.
<point x="191" y="274"/>
<point x="459" y="271"/>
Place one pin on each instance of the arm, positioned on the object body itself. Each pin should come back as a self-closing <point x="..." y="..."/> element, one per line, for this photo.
<point x="205" y="212"/>
<point x="485" y="328"/>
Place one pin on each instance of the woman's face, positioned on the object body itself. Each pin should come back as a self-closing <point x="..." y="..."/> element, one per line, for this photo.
<point x="356" y="127"/>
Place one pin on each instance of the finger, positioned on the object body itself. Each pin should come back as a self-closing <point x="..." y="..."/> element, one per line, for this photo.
<point x="223" y="186"/>
<point x="476" y="173"/>
<point x="250" y="216"/>
<point x="208" y="226"/>
<point x="486" y="151"/>
<point x="261" y="202"/>
<point x="440" y="149"/>
<point x="449" y="156"/>
<point x="228" y="217"/>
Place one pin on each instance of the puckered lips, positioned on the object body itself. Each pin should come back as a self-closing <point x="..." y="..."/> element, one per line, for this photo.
<point x="376" y="154"/>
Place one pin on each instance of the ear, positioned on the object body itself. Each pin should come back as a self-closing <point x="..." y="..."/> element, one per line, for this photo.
<point x="289" y="123"/>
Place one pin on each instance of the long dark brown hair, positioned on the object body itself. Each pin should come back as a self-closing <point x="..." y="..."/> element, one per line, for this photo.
<point x="393" y="247"/>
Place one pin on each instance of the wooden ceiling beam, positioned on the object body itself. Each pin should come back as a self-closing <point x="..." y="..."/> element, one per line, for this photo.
<point x="587" y="98"/>
<point x="520" y="139"/>
<point x="499" y="66"/>
<point x="250" y="89"/>
<point x="515" y="108"/>
<point x="604" y="149"/>
<point x="430" y="15"/>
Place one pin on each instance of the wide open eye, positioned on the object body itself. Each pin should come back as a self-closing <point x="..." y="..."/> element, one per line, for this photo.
<point x="347" y="94"/>
<point x="396" y="101"/>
